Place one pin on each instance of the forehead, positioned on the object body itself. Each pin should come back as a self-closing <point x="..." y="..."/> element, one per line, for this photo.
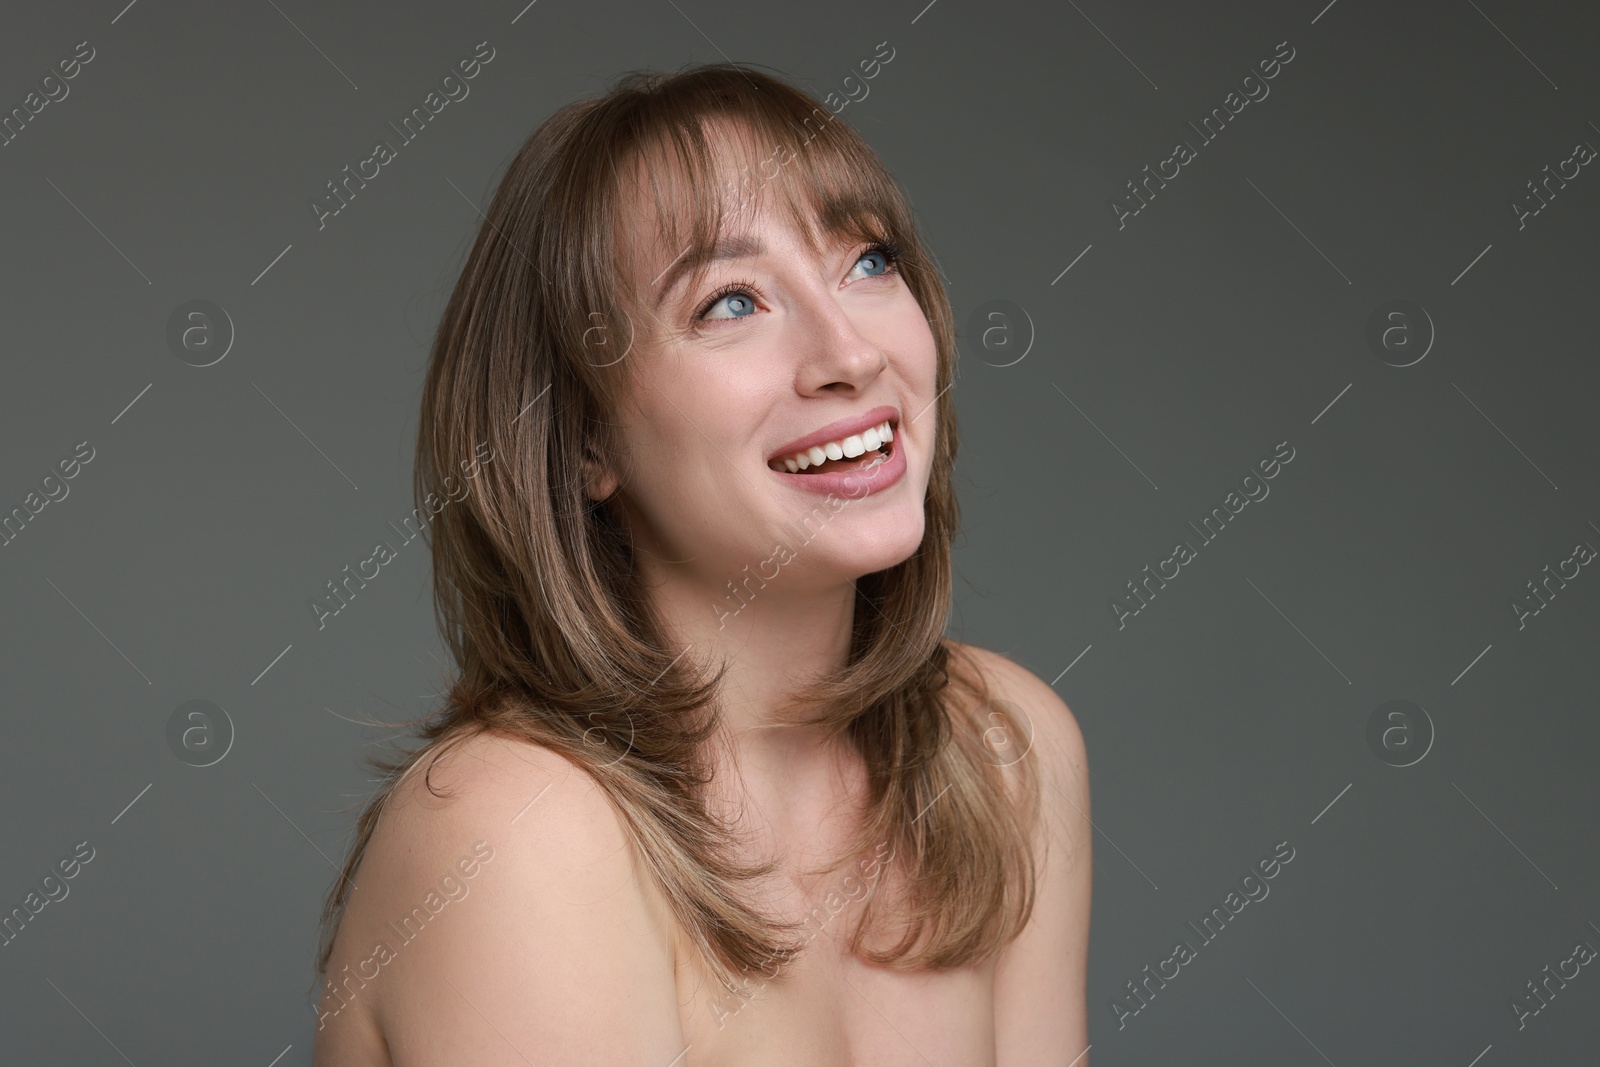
<point x="673" y="218"/>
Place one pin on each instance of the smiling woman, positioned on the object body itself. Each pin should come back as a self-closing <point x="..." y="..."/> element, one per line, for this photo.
<point x="670" y="792"/>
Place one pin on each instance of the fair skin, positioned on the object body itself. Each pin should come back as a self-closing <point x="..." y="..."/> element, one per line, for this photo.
<point x="562" y="949"/>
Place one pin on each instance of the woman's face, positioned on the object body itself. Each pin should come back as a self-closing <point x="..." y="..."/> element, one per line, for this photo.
<point x="776" y="353"/>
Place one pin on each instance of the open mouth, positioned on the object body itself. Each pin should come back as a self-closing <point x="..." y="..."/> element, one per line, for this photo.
<point x="855" y="452"/>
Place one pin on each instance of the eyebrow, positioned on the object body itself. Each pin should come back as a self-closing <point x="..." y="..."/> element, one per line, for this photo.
<point x="738" y="247"/>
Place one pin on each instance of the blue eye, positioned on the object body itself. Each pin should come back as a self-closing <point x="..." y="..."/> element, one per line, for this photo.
<point x="885" y="256"/>
<point x="880" y="257"/>
<point x="739" y="298"/>
<point x="736" y="299"/>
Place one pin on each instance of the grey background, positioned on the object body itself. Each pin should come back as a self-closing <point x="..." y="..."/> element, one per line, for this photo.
<point x="1226" y="317"/>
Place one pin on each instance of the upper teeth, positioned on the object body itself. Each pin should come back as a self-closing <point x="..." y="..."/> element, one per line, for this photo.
<point x="844" y="448"/>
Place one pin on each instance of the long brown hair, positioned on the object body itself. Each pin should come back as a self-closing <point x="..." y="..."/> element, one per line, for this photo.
<point x="534" y="584"/>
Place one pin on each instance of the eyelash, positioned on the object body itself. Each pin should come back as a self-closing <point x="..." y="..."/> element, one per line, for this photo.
<point x="889" y="249"/>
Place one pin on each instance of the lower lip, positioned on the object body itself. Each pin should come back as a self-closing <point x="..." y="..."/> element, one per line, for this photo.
<point x="852" y="484"/>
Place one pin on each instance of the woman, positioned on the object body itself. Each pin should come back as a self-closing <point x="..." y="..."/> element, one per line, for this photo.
<point x="711" y="787"/>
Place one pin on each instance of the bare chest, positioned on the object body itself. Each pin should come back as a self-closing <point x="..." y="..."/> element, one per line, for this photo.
<point x="839" y="1014"/>
<point x="833" y="1009"/>
<point x="830" y="1008"/>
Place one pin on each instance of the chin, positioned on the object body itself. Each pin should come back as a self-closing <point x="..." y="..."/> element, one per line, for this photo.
<point x="876" y="542"/>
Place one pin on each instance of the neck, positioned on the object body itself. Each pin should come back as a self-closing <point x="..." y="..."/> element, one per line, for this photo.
<point x="772" y="641"/>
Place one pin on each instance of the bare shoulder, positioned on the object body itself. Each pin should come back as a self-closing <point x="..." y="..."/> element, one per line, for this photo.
<point x="500" y="912"/>
<point x="495" y="782"/>
<point x="1048" y="726"/>
<point x="1040" y="979"/>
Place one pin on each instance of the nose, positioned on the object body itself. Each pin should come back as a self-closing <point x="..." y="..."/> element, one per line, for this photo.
<point x="838" y="358"/>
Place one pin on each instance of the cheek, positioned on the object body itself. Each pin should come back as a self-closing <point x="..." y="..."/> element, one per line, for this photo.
<point x="663" y="409"/>
<point x="676" y="428"/>
<point x="916" y="349"/>
<point x="660" y="464"/>
<point x="670" y="468"/>
<point x="914" y="357"/>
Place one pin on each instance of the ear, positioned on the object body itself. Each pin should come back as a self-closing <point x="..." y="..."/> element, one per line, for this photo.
<point x="600" y="481"/>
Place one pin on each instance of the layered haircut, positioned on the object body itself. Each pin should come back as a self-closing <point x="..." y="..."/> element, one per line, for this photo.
<point x="535" y="585"/>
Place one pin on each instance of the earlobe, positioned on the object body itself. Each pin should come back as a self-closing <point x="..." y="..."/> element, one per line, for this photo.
<point x="599" y="480"/>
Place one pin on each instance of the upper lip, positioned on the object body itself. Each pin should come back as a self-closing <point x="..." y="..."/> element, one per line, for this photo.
<point x="838" y="431"/>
